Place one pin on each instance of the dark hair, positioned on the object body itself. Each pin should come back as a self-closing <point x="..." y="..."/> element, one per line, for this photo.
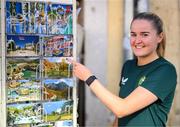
<point x="158" y="25"/>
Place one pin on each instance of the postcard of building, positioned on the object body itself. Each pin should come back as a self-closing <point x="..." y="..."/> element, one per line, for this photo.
<point x="58" y="46"/>
<point x="22" y="45"/>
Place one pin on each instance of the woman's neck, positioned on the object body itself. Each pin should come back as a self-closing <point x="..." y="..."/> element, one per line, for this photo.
<point x="145" y="60"/>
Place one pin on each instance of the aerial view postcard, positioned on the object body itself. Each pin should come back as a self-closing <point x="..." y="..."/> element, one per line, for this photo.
<point x="59" y="46"/>
<point x="58" y="89"/>
<point x="23" y="91"/>
<point x="24" y="113"/>
<point x="57" y="111"/>
<point x="22" y="45"/>
<point x="57" y="67"/>
<point x="23" y="68"/>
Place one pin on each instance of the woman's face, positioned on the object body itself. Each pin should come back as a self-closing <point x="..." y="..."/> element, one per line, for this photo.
<point x="144" y="38"/>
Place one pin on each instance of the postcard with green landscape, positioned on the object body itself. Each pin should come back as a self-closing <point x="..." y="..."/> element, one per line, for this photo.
<point x="24" y="113"/>
<point x="58" y="89"/>
<point x="19" y="68"/>
<point x="57" y="67"/>
<point x="57" y="111"/>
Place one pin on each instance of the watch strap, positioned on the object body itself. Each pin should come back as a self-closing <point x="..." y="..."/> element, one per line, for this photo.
<point x="90" y="80"/>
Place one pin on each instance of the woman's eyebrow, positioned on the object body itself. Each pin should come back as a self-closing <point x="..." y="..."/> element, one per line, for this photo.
<point x="140" y="32"/>
<point x="145" y="32"/>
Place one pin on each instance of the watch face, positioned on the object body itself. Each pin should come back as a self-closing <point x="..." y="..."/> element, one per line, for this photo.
<point x="90" y="80"/>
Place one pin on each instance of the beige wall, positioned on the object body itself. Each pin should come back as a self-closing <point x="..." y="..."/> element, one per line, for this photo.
<point x="169" y="11"/>
<point x="115" y="39"/>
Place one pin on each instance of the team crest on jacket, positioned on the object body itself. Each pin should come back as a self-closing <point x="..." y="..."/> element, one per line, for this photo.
<point x="141" y="80"/>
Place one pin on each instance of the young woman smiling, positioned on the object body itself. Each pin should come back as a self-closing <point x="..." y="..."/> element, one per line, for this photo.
<point x="148" y="81"/>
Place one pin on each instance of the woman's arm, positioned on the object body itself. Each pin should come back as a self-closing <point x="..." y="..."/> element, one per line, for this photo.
<point x="137" y="100"/>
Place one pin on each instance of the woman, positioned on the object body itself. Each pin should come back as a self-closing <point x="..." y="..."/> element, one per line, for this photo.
<point x="147" y="83"/>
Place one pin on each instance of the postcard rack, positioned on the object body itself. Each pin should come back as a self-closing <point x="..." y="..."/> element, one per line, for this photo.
<point x="37" y="87"/>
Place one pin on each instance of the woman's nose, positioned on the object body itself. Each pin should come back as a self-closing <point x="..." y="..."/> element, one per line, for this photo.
<point x="138" y="40"/>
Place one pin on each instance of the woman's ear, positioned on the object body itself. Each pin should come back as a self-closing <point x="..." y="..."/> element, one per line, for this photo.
<point x="160" y="37"/>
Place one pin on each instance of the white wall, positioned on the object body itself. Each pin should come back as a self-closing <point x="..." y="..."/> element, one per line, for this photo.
<point x="128" y="16"/>
<point x="95" y="24"/>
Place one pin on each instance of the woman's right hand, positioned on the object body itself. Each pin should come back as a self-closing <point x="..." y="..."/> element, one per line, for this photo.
<point x="80" y="70"/>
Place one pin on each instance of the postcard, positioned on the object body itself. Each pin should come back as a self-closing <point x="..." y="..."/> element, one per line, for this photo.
<point x="21" y="125"/>
<point x="23" y="68"/>
<point x="14" y="17"/>
<point x="65" y="123"/>
<point x="57" y="111"/>
<point x="58" y="89"/>
<point x="22" y="45"/>
<point x="59" y="18"/>
<point x="58" y="46"/>
<point x="23" y="91"/>
<point x="24" y="113"/>
<point x="56" y="67"/>
<point x="39" y="17"/>
<point x="25" y="17"/>
<point x="32" y="17"/>
<point x="47" y="124"/>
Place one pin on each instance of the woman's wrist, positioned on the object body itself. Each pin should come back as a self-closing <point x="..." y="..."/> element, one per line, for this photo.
<point x="90" y="80"/>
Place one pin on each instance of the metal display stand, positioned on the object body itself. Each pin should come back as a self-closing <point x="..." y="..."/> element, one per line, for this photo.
<point x="37" y="86"/>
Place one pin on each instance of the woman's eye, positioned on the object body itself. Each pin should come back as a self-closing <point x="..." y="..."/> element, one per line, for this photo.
<point x="144" y="35"/>
<point x="133" y="35"/>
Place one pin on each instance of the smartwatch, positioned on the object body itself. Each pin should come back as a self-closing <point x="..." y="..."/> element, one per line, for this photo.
<point x="90" y="80"/>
